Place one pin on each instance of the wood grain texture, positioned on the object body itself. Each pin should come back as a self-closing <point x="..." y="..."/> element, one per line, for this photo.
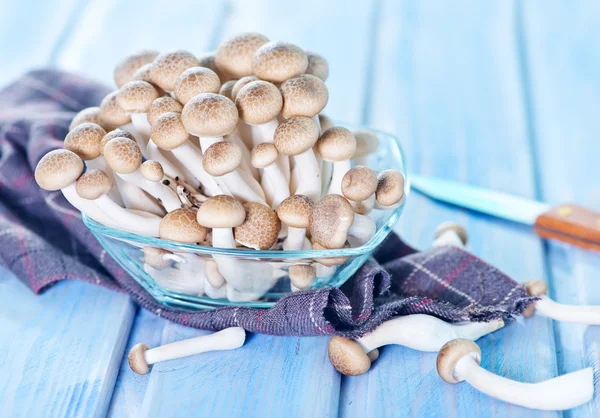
<point x="60" y="352"/>
<point x="562" y="68"/>
<point x="438" y="85"/>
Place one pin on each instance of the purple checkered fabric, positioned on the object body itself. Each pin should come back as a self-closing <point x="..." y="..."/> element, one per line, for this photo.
<point x="43" y="241"/>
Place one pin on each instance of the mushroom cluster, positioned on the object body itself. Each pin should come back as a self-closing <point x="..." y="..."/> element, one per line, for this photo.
<point x="230" y="149"/>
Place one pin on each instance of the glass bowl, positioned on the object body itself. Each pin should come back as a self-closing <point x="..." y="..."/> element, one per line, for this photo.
<point x="176" y="274"/>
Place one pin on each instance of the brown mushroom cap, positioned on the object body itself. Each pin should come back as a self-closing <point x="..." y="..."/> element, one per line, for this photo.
<point x="359" y="183"/>
<point x="124" y="71"/>
<point x="278" y="61"/>
<point x="451" y="226"/>
<point x="260" y="229"/>
<point x="367" y="142"/>
<point x="263" y="155"/>
<point x="317" y="65"/>
<point x="390" y="187"/>
<point x="336" y="144"/>
<point x="302" y="276"/>
<point x="330" y="221"/>
<point x="296" y="135"/>
<point x="234" y="55"/>
<point x="305" y="95"/>
<point x="221" y="211"/>
<point x="295" y="211"/>
<point x="348" y="357"/>
<point x="194" y="81"/>
<point x="91" y="115"/>
<point x="227" y="89"/>
<point x="136" y="96"/>
<point x="92" y="184"/>
<point x="536" y="288"/>
<point x="258" y="102"/>
<point x="207" y="60"/>
<point x="373" y="355"/>
<point x="85" y="140"/>
<point x="330" y="261"/>
<point x="161" y="106"/>
<point x="117" y="133"/>
<point x="155" y="257"/>
<point x="168" y="66"/>
<point x="451" y="353"/>
<point x="181" y="225"/>
<point x="222" y="158"/>
<point x="58" y="169"/>
<point x="213" y="275"/>
<point x="137" y="361"/>
<point x="209" y="115"/>
<point x="111" y="112"/>
<point x="325" y="121"/>
<point x="152" y="170"/>
<point x="240" y="84"/>
<point x="123" y="155"/>
<point x="168" y="131"/>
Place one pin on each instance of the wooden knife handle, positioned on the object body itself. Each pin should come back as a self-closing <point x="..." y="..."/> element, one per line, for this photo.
<point x="571" y="223"/>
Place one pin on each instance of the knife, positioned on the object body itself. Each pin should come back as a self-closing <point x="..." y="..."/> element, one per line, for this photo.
<point x="569" y="223"/>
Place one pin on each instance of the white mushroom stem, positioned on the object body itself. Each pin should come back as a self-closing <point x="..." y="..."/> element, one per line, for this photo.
<point x="238" y="187"/>
<point x="177" y="280"/>
<point x="214" y="292"/>
<point x="164" y="193"/>
<point x="245" y="165"/>
<point x="278" y="189"/>
<point x="296" y="239"/>
<point x="89" y="207"/>
<point x="140" y="122"/>
<point x="340" y="168"/>
<point x="560" y="393"/>
<point x="140" y="137"/>
<point x="424" y="333"/>
<point x="265" y="133"/>
<point x="227" y="339"/>
<point x="362" y="230"/>
<point x="99" y="163"/>
<point x="583" y="314"/>
<point x="306" y="177"/>
<point x="207" y="141"/>
<point x="136" y="198"/>
<point x="191" y="158"/>
<point x="154" y="153"/>
<point x="129" y="221"/>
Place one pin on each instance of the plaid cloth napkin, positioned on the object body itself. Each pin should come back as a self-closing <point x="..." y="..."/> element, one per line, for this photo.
<point x="43" y="241"/>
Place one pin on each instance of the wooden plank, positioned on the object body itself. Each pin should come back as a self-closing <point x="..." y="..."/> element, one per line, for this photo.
<point x="563" y="63"/>
<point x="59" y="352"/>
<point x="447" y="82"/>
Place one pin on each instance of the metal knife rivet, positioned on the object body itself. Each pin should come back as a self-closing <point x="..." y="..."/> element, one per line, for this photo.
<point x="565" y="211"/>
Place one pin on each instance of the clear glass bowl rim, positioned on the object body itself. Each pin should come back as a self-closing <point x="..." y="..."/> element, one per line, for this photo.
<point x="374" y="242"/>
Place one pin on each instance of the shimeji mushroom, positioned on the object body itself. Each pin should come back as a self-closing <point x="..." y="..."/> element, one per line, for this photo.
<point x="227" y="88"/>
<point x="367" y="144"/>
<point x="91" y="115"/>
<point x="264" y="156"/>
<point x="156" y="181"/>
<point x="135" y="98"/>
<point x="450" y="233"/>
<point x="169" y="134"/>
<point x="296" y="137"/>
<point x="94" y="185"/>
<point x="125" y="159"/>
<point x="579" y="314"/>
<point x="336" y="145"/>
<point x="301" y="276"/>
<point x="207" y="60"/>
<point x="124" y="71"/>
<point x="295" y="212"/>
<point x="359" y="186"/>
<point x="144" y="73"/>
<point x="279" y="61"/>
<point x="418" y="331"/>
<point x="234" y="55"/>
<point x="59" y="170"/>
<point x="111" y="112"/>
<point x="304" y="95"/>
<point x="325" y="122"/>
<point x="317" y="65"/>
<point x="141" y="358"/>
<point x="168" y="66"/>
<point x="390" y="190"/>
<point x="458" y="361"/>
<point x="221" y="160"/>
<point x="195" y="81"/>
<point x="333" y="221"/>
<point x="259" y="103"/>
<point x="155" y="257"/>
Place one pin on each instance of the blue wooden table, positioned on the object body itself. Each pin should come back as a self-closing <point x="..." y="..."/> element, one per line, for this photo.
<point x="501" y="94"/>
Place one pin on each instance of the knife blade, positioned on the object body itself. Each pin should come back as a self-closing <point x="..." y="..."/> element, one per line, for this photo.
<point x="567" y="222"/>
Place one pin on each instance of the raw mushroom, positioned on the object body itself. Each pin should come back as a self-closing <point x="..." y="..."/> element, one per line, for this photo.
<point x="234" y="55"/>
<point x="58" y="170"/>
<point x="227" y="88"/>
<point x="305" y="95"/>
<point x="241" y="83"/>
<point x="259" y="103"/>
<point x="221" y="160"/>
<point x="207" y="60"/>
<point x="94" y="185"/>
<point x="278" y="61"/>
<point x="325" y="122"/>
<point x="367" y="144"/>
<point x="144" y="73"/>
<point x="168" y="66"/>
<point x="295" y="212"/>
<point x="156" y="181"/>
<point x="161" y="106"/>
<point x="390" y="189"/>
<point x="333" y="220"/>
<point x="213" y="276"/>
<point x="85" y="140"/>
<point x="92" y="115"/>
<point x="337" y="145"/>
<point x="450" y="233"/>
<point x="359" y="186"/>
<point x="169" y="134"/>
<point x="302" y="276"/>
<point x="579" y="314"/>
<point x="317" y="65"/>
<point x="195" y="81"/>
<point x="141" y="358"/>
<point x="125" y="159"/>
<point x="418" y="331"/>
<point x="264" y="156"/>
<point x="111" y="112"/>
<point x="296" y="137"/>
<point x="135" y="98"/>
<point x="124" y="71"/>
<point x="459" y="359"/>
<point x="155" y="257"/>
